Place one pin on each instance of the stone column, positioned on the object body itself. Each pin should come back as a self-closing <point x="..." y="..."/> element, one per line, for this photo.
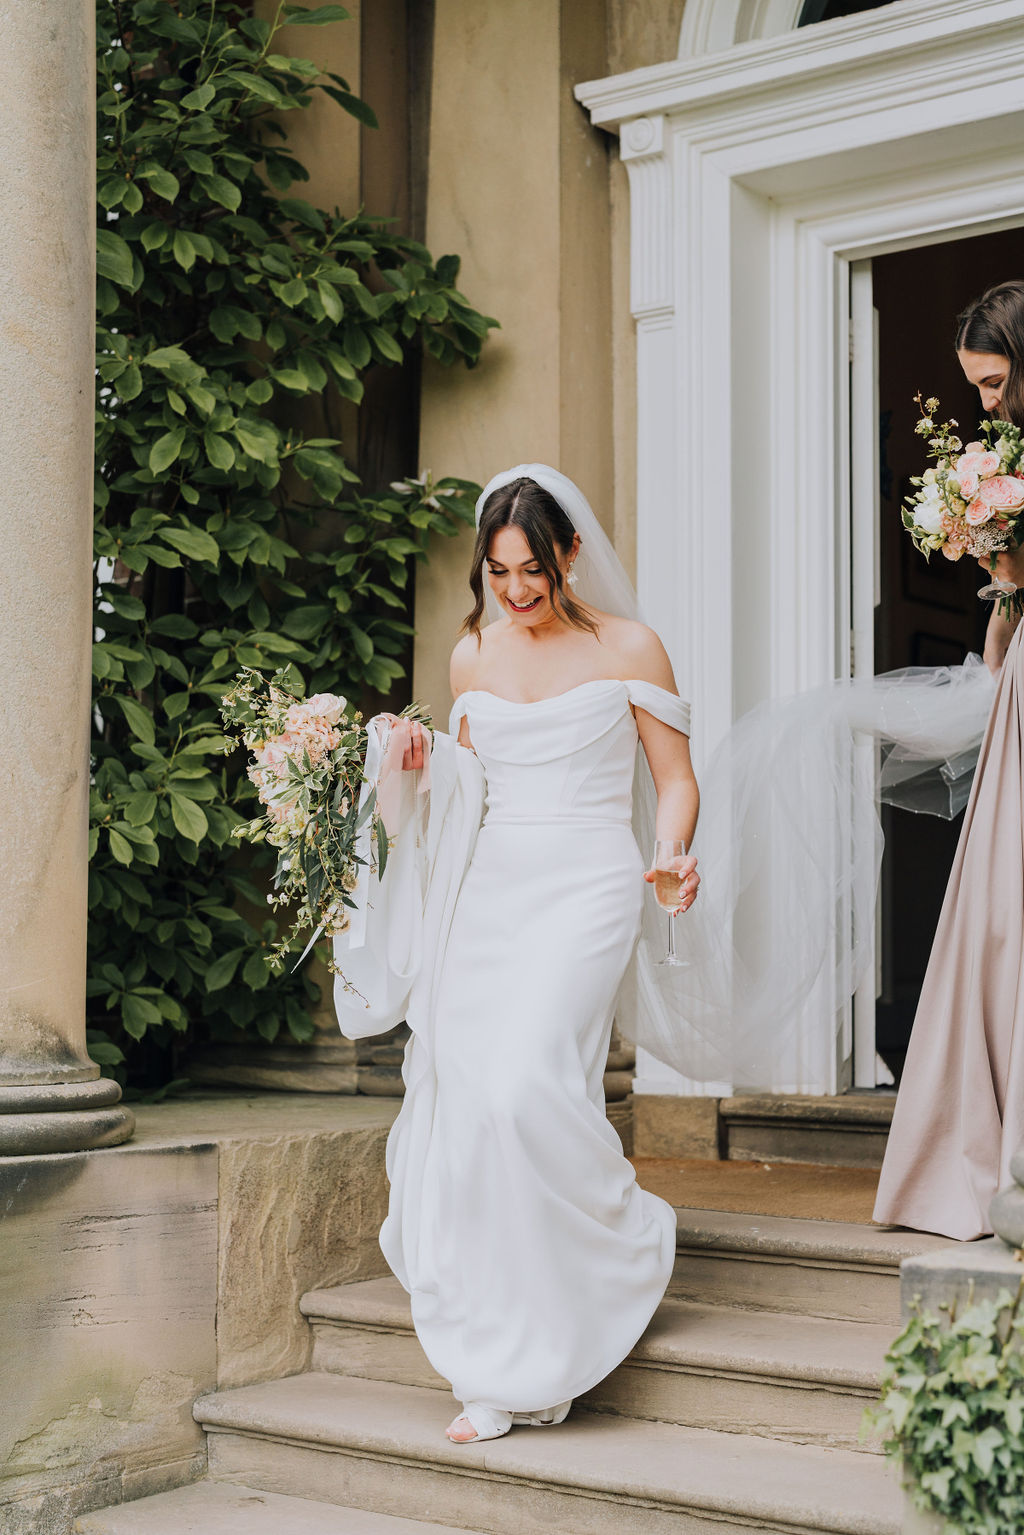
<point x="51" y="1097"/>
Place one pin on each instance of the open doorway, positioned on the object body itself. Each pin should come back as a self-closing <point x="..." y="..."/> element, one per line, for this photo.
<point x="929" y="613"/>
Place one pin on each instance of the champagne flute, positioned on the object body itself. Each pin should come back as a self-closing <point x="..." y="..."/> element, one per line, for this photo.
<point x="668" y="893"/>
<point x="998" y="588"/>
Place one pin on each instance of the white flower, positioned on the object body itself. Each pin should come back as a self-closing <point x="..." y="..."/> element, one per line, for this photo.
<point x="928" y="511"/>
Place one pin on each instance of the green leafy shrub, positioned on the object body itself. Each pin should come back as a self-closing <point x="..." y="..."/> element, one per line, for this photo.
<point x="228" y="533"/>
<point x="952" y="1412"/>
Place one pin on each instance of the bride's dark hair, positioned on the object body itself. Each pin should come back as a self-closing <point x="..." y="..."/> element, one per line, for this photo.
<point x="995" y="323"/>
<point x="525" y="505"/>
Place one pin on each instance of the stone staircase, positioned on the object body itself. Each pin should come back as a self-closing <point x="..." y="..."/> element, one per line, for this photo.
<point x="739" y="1409"/>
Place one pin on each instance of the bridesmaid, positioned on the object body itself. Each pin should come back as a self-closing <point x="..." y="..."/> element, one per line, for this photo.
<point x="959" y="1115"/>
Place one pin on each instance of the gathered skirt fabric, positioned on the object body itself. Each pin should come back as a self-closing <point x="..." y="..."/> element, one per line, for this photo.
<point x="959" y="1114"/>
<point x="537" y="1261"/>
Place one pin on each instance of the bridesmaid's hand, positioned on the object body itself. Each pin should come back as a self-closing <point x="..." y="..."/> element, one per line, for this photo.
<point x="1009" y="566"/>
<point x="689" y="881"/>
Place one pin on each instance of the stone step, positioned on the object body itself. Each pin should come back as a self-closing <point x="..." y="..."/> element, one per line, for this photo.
<point x="811" y="1268"/>
<point x="222" y="1508"/>
<point x="848" y="1130"/>
<point x="804" y="1379"/>
<point x="379" y="1446"/>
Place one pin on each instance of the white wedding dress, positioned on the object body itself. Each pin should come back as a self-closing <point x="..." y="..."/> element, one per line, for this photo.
<point x="502" y="930"/>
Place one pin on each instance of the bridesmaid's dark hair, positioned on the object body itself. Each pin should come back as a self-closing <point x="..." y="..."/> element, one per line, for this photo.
<point x="995" y="323"/>
<point x="525" y="505"/>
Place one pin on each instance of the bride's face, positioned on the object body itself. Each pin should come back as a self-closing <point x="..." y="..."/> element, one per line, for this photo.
<point x="988" y="372"/>
<point x="517" y="581"/>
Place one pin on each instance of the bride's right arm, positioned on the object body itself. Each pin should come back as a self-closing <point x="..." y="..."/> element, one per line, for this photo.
<point x="461" y="675"/>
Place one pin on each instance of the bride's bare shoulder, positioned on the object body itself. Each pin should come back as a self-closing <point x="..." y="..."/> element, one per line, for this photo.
<point x="638" y="651"/>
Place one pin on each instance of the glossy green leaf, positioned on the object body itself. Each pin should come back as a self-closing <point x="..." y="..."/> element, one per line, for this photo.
<point x="120" y="847"/>
<point x="188" y="817"/>
<point x="163" y="182"/>
<point x="114" y="258"/>
<point x="140" y="720"/>
<point x="166" y="449"/>
<point x="314" y="16"/>
<point x="220" y="190"/>
<point x="199" y="99"/>
<point x="222" y="971"/>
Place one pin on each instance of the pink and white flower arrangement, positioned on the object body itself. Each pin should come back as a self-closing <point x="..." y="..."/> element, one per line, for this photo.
<point x="972" y="499"/>
<point x="306" y="763"/>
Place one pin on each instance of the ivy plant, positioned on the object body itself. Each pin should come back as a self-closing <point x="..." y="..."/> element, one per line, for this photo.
<point x="234" y="317"/>
<point x="952" y="1412"/>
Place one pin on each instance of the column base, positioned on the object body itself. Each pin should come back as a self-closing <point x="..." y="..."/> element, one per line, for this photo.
<point x="69" y="1116"/>
<point x="1006" y="1212"/>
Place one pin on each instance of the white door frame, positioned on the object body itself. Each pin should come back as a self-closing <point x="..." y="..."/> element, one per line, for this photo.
<point x="757" y="174"/>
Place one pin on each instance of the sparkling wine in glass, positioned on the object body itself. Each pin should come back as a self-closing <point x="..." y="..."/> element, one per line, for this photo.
<point x="667" y="858"/>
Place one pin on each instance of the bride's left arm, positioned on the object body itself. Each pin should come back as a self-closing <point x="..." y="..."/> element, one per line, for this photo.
<point x="668" y="755"/>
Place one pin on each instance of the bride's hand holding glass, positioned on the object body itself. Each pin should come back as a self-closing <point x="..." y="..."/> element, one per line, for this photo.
<point x="679" y="866"/>
<point x="676" y="881"/>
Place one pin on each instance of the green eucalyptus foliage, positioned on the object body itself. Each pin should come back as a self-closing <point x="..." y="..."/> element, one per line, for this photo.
<point x="230" y="313"/>
<point x="952" y="1412"/>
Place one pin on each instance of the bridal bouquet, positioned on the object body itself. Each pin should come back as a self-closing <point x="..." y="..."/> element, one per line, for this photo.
<point x="972" y="500"/>
<point x="307" y="757"/>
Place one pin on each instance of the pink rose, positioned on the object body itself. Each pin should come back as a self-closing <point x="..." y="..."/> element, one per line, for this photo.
<point x="969" y="483"/>
<point x="974" y="447"/>
<point x="981" y="464"/>
<point x="322" y="711"/>
<point x="978" y="512"/>
<point x="951" y="551"/>
<point x="1003" y="491"/>
<point x="326" y="706"/>
<point x="273" y="755"/>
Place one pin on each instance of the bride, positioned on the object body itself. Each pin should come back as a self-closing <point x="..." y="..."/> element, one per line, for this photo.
<point x="502" y="929"/>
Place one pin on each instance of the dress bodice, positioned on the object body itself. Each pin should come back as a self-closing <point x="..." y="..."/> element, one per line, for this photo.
<point x="569" y="757"/>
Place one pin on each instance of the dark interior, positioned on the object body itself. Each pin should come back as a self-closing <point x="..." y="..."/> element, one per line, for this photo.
<point x="929" y="613"/>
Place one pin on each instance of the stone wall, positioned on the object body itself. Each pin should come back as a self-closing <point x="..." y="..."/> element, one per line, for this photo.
<point x="134" y="1279"/>
<point x="108" y="1290"/>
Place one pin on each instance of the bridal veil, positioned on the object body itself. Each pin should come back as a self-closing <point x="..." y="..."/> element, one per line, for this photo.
<point x="789" y="840"/>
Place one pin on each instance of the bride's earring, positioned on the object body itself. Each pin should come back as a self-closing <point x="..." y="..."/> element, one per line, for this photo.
<point x="572" y="577"/>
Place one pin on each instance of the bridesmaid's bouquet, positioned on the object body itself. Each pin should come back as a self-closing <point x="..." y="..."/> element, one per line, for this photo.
<point x="972" y="500"/>
<point x="307" y="759"/>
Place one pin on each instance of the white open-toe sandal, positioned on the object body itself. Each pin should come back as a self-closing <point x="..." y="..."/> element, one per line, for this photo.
<point x="492" y="1423"/>
<point x="488" y="1422"/>
<point x="545" y="1418"/>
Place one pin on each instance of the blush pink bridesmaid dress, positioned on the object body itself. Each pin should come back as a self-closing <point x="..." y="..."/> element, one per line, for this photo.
<point x="959" y="1114"/>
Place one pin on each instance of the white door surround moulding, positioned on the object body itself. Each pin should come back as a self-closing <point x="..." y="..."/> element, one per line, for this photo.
<point x="755" y="178"/>
<point x="910" y="33"/>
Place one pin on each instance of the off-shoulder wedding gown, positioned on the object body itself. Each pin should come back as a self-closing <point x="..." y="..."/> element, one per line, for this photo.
<point x="533" y="1260"/>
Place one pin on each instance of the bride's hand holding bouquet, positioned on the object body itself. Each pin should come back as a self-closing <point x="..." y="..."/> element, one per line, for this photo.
<point x="310" y="763"/>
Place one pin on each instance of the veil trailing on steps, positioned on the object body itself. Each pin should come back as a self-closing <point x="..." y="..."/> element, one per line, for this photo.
<point x="789" y="841"/>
